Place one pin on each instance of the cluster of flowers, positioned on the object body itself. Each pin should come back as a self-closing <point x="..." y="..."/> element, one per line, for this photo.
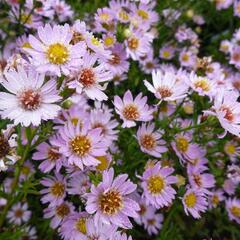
<point x="61" y="73"/>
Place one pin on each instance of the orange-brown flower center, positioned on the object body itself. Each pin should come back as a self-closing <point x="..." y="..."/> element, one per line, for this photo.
<point x="57" y="189"/>
<point x="63" y="210"/>
<point x="148" y="141"/>
<point x="30" y="100"/>
<point x="87" y="77"/>
<point x="130" y="112"/>
<point x="80" y="145"/>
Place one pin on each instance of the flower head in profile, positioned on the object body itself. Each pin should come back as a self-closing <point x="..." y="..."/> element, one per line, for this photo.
<point x="233" y="209"/>
<point x="150" y="140"/>
<point x="29" y="100"/>
<point x="81" y="145"/>
<point x="167" y="86"/>
<point x="132" y="110"/>
<point x="52" y="52"/>
<point x="194" y="202"/>
<point x="110" y="200"/>
<point x="156" y="184"/>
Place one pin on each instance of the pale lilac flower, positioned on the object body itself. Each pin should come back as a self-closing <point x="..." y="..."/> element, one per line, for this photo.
<point x="52" y="52"/>
<point x="167" y="52"/>
<point x="236" y="8"/>
<point x="62" y="10"/>
<point x="233" y="173"/>
<point x="232" y="149"/>
<point x="110" y="200"/>
<point x="167" y="86"/>
<point x="132" y="110"/>
<point x="235" y="56"/>
<point x="150" y="141"/>
<point x="81" y="145"/>
<point x="229" y="186"/>
<point x="187" y="58"/>
<point x="27" y="171"/>
<point x="74" y="226"/>
<point x="50" y="154"/>
<point x="30" y="233"/>
<point x="121" y="236"/>
<point x="233" y="209"/>
<point x="223" y="4"/>
<point x="225" y="46"/>
<point x="19" y="214"/>
<point x="156" y="184"/>
<point x="55" y="190"/>
<point x="89" y="77"/>
<point x="153" y="223"/>
<point x="30" y="99"/>
<point x="58" y="213"/>
<point x="215" y="198"/>
<point x="194" y="202"/>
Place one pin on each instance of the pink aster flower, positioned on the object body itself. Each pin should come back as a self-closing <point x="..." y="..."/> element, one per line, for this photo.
<point x="132" y="110"/>
<point x="167" y="52"/>
<point x="227" y="109"/>
<point x="74" y="226"/>
<point x="110" y="200"/>
<point x="150" y="140"/>
<point x="167" y="86"/>
<point x="52" y="52"/>
<point x="82" y="145"/>
<point x="30" y="99"/>
<point x="215" y="198"/>
<point x="229" y="186"/>
<point x="194" y="202"/>
<point x="19" y="214"/>
<point x="233" y="209"/>
<point x="58" y="213"/>
<point x="156" y="184"/>
<point x="55" y="190"/>
<point x="153" y="223"/>
<point x="89" y="76"/>
<point x="50" y="154"/>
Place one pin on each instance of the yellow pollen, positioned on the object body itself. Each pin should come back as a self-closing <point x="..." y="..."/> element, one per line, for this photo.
<point x="123" y="15"/>
<point x="104" y="17"/>
<point x="81" y="225"/>
<point x="53" y="154"/>
<point x="80" y="145"/>
<point x="109" y="41"/>
<point x="203" y="84"/>
<point x="185" y="57"/>
<point x="148" y="141"/>
<point x="130" y="112"/>
<point x="57" y="53"/>
<point x="190" y="200"/>
<point x="133" y="43"/>
<point x="235" y="211"/>
<point x="95" y="41"/>
<point x="62" y="210"/>
<point x="155" y="184"/>
<point x="25" y="170"/>
<point x="182" y="144"/>
<point x="143" y="14"/>
<point x="165" y="92"/>
<point x="57" y="189"/>
<point x="26" y="45"/>
<point x="103" y="165"/>
<point x="111" y="202"/>
<point x="166" y="54"/>
<point x="26" y="19"/>
<point x="74" y="121"/>
<point x="215" y="200"/>
<point x="230" y="149"/>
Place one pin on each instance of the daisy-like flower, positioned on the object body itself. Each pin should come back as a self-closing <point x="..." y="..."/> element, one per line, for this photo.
<point x="227" y="109"/>
<point x="52" y="51"/>
<point x="138" y="45"/>
<point x="121" y="236"/>
<point x="150" y="140"/>
<point x="27" y="170"/>
<point x="232" y="149"/>
<point x="88" y="77"/>
<point x="233" y="209"/>
<point x="55" y="190"/>
<point x="50" y="154"/>
<point x="19" y="214"/>
<point x="187" y="58"/>
<point x="229" y="186"/>
<point x="215" y="198"/>
<point x="110" y="200"/>
<point x="194" y="202"/>
<point x="167" y="86"/>
<point x="132" y="110"/>
<point x="30" y="99"/>
<point x="30" y="233"/>
<point x="8" y="145"/>
<point x="74" y="226"/>
<point x="153" y="223"/>
<point x="58" y="213"/>
<point x="202" y="85"/>
<point x="82" y="145"/>
<point x="167" y="52"/>
<point x="156" y="184"/>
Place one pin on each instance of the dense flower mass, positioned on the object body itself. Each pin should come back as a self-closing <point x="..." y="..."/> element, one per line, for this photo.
<point x="119" y="119"/>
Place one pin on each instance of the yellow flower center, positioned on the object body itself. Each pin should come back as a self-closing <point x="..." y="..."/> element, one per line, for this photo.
<point x="235" y="211"/>
<point x="57" y="53"/>
<point x="103" y="165"/>
<point x="74" y="121"/>
<point x="81" y="225"/>
<point x="185" y="57"/>
<point x="25" y="170"/>
<point x="62" y="210"/>
<point x="109" y="41"/>
<point x="95" y="41"/>
<point x="130" y="112"/>
<point x="26" y="19"/>
<point x="166" y="54"/>
<point x="57" y="189"/>
<point x="190" y="200"/>
<point x="123" y="15"/>
<point x="155" y="184"/>
<point x="80" y="145"/>
<point x="230" y="149"/>
<point x="111" y="202"/>
<point x="143" y="14"/>
<point x="215" y="200"/>
<point x="133" y="43"/>
<point x="182" y="144"/>
<point x="104" y="17"/>
<point x="203" y="84"/>
<point x="26" y="45"/>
